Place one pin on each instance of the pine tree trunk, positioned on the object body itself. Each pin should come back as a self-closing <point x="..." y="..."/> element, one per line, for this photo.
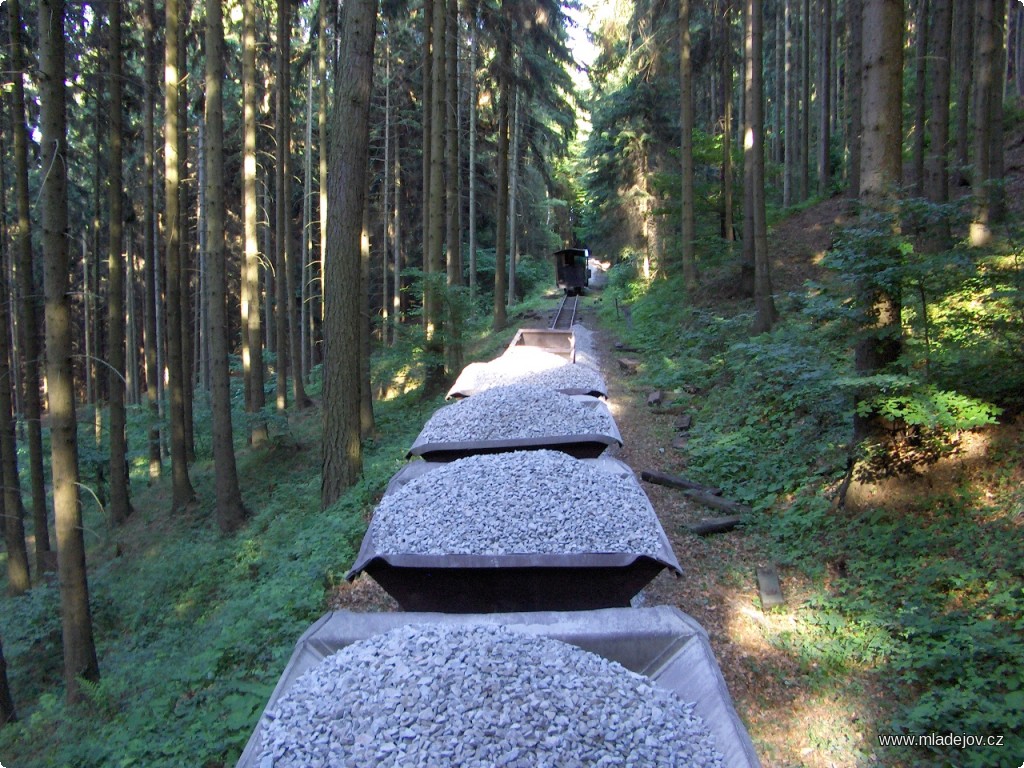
<point x="367" y="425"/>
<point x="966" y="11"/>
<point x="513" y="194"/>
<point x="19" y="579"/>
<point x="120" y="502"/>
<point x="230" y="511"/>
<point x="474" y="45"/>
<point x="454" y="320"/>
<point x="855" y="90"/>
<point x="29" y="306"/>
<point x="881" y="172"/>
<point x="985" y="88"/>
<point x="291" y="308"/>
<point x="727" y="96"/>
<point x="433" y="302"/>
<point x="7" y="711"/>
<point x="688" y="235"/>
<point x="184" y="247"/>
<point x="805" y="101"/>
<point x="321" y="63"/>
<point x="997" y="196"/>
<point x="342" y="459"/>
<point x="789" y="153"/>
<point x="282" y="205"/>
<point x="920" y="95"/>
<point x="937" y="162"/>
<point x="501" y="181"/>
<point x="76" y="620"/>
<point x="149" y="246"/>
<point x="825" y="98"/>
<point x="754" y="168"/>
<point x="183" y="494"/>
<point x="253" y="363"/>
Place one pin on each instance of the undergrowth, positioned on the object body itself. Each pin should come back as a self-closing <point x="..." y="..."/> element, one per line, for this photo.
<point x="926" y="597"/>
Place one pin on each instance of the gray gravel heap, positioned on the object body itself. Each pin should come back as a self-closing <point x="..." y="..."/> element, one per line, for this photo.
<point x="530" y="365"/>
<point x="444" y="695"/>
<point x="513" y="412"/>
<point x="585" y="347"/>
<point x="521" y="502"/>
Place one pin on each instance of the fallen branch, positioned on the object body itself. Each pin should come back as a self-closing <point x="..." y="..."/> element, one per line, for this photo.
<point x="675" y="481"/>
<point x="711" y="525"/>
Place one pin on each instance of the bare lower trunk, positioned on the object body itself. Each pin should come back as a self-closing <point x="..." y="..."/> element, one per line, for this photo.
<point x="342" y="458"/>
<point x="76" y="620"/>
<point x="230" y="511"/>
<point x="29" y="307"/>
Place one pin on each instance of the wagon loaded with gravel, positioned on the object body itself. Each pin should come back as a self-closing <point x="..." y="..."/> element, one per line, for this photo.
<point x="517" y="531"/>
<point x="515" y="543"/>
<point x="518" y="417"/>
<point x="624" y="686"/>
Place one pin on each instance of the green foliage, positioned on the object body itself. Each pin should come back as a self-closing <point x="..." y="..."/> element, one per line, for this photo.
<point x="927" y="598"/>
<point x="193" y="629"/>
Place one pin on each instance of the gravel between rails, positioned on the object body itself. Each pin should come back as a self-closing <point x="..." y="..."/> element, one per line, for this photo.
<point x="512" y="412"/>
<point x="443" y="695"/>
<point x="520" y="502"/>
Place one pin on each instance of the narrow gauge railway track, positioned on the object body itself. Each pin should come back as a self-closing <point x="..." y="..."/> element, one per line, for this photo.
<point x="566" y="314"/>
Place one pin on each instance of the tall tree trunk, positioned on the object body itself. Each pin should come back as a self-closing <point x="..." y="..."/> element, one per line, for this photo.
<point x="997" y="196"/>
<point x="780" y="83"/>
<point x="230" y="511"/>
<point x="321" y="63"/>
<point x="387" y="223"/>
<point x="288" y="310"/>
<point x="454" y="315"/>
<point x="433" y="302"/>
<point x="513" y="198"/>
<point x="825" y="98"/>
<point x="19" y="579"/>
<point x="367" y="424"/>
<point x="689" y="225"/>
<point x="253" y="362"/>
<point x="282" y="203"/>
<point x="7" y="711"/>
<point x="453" y="237"/>
<point x="727" y="96"/>
<point x="29" y="307"/>
<point x="184" y="246"/>
<point x="183" y="494"/>
<point x="120" y="501"/>
<point x="474" y="45"/>
<point x="966" y="11"/>
<point x="920" y="95"/>
<point x="937" y="162"/>
<point x="76" y="620"/>
<point x="342" y="459"/>
<point x="985" y="88"/>
<point x="805" y="101"/>
<point x="881" y="157"/>
<point x="790" y="151"/>
<point x="855" y="90"/>
<point x="150" y="250"/>
<point x="753" y="164"/>
<point x="501" y="180"/>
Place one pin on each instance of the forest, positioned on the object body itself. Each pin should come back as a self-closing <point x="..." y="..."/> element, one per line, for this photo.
<point x="231" y="295"/>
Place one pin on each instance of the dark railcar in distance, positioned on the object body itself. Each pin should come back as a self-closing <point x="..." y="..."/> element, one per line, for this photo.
<point x="571" y="270"/>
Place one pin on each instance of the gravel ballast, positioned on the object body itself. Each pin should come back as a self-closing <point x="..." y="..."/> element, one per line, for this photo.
<point x="535" y="502"/>
<point x="513" y="412"/>
<point x="474" y="695"/>
<point x="528" y="365"/>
